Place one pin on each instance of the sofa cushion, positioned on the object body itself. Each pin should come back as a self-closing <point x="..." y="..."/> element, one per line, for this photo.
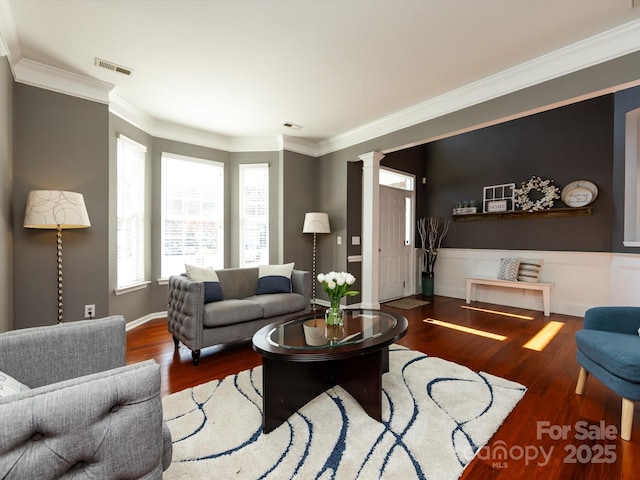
<point x="10" y="386"/>
<point x="274" y="279"/>
<point x="280" y="303"/>
<point x="231" y="311"/>
<point x="618" y="353"/>
<point x="238" y="282"/>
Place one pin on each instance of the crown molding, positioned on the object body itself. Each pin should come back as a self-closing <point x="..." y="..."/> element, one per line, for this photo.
<point x="600" y="48"/>
<point x="9" y="45"/>
<point x="51" y="78"/>
<point x="298" y="145"/>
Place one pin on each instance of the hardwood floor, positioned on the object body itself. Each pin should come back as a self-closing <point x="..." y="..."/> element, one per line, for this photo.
<point x="531" y="437"/>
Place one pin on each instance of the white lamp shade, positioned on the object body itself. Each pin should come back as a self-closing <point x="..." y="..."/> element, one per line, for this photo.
<point x="49" y="209"/>
<point x="316" y="222"/>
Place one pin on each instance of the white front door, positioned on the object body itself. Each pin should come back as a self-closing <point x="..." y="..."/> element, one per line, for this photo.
<point x="395" y="244"/>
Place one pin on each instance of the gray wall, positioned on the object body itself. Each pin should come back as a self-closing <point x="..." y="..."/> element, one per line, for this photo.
<point x="566" y="144"/>
<point x="299" y="196"/>
<point x="6" y="179"/>
<point x="60" y="143"/>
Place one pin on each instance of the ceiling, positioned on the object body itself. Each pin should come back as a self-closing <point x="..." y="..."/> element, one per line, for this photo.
<point x="241" y="69"/>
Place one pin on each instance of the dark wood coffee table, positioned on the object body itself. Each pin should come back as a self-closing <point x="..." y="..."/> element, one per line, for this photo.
<point x="299" y="363"/>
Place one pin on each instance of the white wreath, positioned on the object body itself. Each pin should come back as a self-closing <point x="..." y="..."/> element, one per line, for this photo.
<point x="546" y="187"/>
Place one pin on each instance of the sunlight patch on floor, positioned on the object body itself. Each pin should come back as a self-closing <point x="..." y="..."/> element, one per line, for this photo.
<point x="498" y="312"/>
<point x="541" y="339"/>
<point x="464" y="329"/>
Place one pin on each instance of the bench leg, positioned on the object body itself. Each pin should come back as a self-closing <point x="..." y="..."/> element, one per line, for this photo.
<point x="546" y="301"/>
<point x="468" y="291"/>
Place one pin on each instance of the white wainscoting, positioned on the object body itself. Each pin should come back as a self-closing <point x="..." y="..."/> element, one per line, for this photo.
<point x="582" y="279"/>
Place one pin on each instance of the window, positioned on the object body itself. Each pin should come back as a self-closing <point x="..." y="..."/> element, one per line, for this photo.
<point x="254" y="214"/>
<point x="192" y="211"/>
<point x="130" y="212"/>
<point x="396" y="179"/>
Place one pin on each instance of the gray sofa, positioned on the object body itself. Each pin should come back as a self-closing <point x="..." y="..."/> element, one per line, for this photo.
<point x="87" y="415"/>
<point x="242" y="313"/>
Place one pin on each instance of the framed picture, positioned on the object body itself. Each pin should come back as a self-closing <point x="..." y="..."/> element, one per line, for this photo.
<point x="498" y="198"/>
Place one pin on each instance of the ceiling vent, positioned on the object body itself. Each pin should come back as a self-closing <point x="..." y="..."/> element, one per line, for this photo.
<point x="113" y="67"/>
<point x="292" y="126"/>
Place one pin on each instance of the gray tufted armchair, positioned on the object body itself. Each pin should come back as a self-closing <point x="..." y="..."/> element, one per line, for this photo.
<point x="87" y="415"/>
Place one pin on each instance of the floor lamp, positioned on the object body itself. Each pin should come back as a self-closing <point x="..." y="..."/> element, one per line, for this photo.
<point x="315" y="222"/>
<point x="54" y="209"/>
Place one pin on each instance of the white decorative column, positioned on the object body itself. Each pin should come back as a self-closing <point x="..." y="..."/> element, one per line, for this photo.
<point x="370" y="228"/>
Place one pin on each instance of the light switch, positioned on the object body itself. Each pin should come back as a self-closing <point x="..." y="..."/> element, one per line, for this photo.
<point x="355" y="240"/>
<point x="339" y="240"/>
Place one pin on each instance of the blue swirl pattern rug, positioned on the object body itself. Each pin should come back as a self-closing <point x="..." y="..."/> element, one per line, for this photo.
<point x="436" y="416"/>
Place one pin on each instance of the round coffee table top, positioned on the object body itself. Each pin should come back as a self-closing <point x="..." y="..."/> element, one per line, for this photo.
<point x="305" y="337"/>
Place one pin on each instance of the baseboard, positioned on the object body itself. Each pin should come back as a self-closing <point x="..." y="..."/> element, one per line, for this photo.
<point x="142" y="320"/>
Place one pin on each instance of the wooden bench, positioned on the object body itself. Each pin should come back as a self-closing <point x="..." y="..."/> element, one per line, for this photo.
<point x="545" y="288"/>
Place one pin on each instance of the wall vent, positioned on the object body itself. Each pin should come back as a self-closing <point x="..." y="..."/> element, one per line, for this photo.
<point x="113" y="67"/>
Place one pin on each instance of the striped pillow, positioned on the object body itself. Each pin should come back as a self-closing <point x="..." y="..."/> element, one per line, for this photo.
<point x="509" y="269"/>
<point x="529" y="270"/>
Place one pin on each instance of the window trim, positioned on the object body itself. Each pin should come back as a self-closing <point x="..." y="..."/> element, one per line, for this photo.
<point x="141" y="149"/>
<point x="241" y="222"/>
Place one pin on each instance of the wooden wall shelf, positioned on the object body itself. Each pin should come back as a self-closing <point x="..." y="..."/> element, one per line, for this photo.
<point x="553" y="213"/>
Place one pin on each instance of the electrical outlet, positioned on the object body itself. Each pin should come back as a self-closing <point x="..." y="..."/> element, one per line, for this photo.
<point x="89" y="311"/>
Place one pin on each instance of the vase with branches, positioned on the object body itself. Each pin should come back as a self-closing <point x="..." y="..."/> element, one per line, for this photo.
<point x="432" y="230"/>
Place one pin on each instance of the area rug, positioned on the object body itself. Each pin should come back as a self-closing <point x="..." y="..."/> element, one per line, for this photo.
<point x="436" y="416"/>
<point x="406" y="303"/>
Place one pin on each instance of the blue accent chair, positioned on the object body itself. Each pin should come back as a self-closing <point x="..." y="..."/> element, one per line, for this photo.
<point x="609" y="348"/>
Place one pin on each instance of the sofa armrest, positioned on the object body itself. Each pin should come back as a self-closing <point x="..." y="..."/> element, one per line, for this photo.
<point x="301" y="283"/>
<point x="44" y="355"/>
<point x="105" y="425"/>
<point x="613" y="319"/>
<point x="185" y="310"/>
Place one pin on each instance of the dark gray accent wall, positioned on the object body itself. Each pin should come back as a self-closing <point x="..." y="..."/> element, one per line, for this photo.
<point x="566" y="144"/>
<point x="518" y="104"/>
<point x="60" y="143"/>
<point x="6" y="179"/>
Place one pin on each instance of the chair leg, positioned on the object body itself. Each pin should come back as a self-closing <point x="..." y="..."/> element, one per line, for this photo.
<point x="175" y="342"/>
<point x="582" y="381"/>
<point x="627" y="419"/>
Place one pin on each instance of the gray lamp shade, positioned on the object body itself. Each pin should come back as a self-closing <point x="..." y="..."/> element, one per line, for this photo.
<point x="49" y="209"/>
<point x="316" y="222"/>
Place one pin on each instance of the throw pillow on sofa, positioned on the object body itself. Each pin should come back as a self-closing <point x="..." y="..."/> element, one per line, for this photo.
<point x="274" y="279"/>
<point x="212" y="288"/>
<point x="10" y="386"/>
